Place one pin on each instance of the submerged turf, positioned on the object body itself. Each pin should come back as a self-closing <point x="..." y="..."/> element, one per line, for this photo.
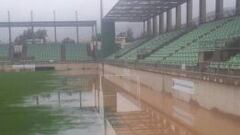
<point x="19" y="120"/>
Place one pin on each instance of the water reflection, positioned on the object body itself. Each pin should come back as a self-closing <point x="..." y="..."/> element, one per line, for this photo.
<point x="125" y="115"/>
<point x="106" y="109"/>
<point x="77" y="101"/>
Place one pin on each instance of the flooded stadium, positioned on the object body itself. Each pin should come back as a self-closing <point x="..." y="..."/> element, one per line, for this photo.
<point x="120" y="67"/>
<point x="86" y="101"/>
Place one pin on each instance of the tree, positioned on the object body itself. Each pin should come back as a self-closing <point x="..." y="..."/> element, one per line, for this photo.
<point x="122" y="34"/>
<point x="68" y="40"/>
<point x="130" y="37"/>
<point x="29" y="34"/>
<point x="41" y="34"/>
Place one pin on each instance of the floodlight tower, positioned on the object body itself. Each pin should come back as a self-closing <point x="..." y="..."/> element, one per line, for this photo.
<point x="101" y="9"/>
<point x="55" y="28"/>
<point x="9" y="28"/>
<point x="32" y="27"/>
<point x="77" y="27"/>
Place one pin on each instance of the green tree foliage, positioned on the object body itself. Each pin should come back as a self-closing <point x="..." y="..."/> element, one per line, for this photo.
<point x="29" y="34"/>
<point x="68" y="40"/>
<point x="130" y="37"/>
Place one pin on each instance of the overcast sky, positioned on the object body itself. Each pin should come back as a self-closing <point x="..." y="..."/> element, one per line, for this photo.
<point x="65" y="10"/>
<point x="43" y="10"/>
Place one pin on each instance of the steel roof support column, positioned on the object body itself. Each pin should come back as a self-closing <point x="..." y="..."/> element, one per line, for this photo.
<point x="189" y="12"/>
<point x="144" y="28"/>
<point x="93" y="35"/>
<point x="237" y="7"/>
<point x="169" y="20"/>
<point x="161" y="23"/>
<point x="178" y="17"/>
<point x="149" y="31"/>
<point x="155" y="26"/>
<point x="202" y="11"/>
<point x="219" y="9"/>
<point x="96" y="34"/>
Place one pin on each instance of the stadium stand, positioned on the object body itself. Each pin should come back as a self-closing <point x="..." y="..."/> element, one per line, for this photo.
<point x="77" y="53"/>
<point x="41" y="53"/>
<point x="185" y="50"/>
<point x="152" y="45"/>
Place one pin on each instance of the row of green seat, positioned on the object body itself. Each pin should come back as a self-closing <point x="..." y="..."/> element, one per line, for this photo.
<point x="233" y="63"/>
<point x="153" y="44"/>
<point x="186" y="49"/>
<point x="77" y="53"/>
<point x="44" y="52"/>
<point x="4" y="51"/>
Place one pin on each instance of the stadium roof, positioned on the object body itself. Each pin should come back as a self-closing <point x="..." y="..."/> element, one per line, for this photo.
<point x="49" y="24"/>
<point x="140" y="10"/>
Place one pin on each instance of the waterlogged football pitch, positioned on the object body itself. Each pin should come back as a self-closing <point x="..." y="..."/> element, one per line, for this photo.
<point x="21" y="114"/>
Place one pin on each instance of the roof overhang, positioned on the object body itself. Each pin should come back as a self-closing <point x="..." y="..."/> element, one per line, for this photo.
<point x="49" y="24"/>
<point x="140" y="10"/>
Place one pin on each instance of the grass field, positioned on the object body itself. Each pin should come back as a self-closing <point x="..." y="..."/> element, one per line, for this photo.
<point x="20" y="120"/>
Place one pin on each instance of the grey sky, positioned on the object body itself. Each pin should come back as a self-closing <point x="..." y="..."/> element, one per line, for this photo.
<point x="43" y="10"/>
<point x="65" y="10"/>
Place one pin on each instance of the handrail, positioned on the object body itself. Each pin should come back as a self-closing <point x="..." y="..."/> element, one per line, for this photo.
<point x="195" y="72"/>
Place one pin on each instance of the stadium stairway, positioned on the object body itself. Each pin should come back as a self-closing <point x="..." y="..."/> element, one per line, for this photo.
<point x="127" y="49"/>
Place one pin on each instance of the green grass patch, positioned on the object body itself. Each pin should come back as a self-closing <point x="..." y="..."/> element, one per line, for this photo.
<point x="20" y="120"/>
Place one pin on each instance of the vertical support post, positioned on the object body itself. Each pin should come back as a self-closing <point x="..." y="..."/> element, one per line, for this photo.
<point x="95" y="94"/>
<point x="178" y="17"/>
<point x="161" y="23"/>
<point x="237" y="7"/>
<point x="101" y="13"/>
<point x="96" y="34"/>
<point x="9" y="28"/>
<point x="189" y="12"/>
<point x="59" y="98"/>
<point x="101" y="9"/>
<point x="77" y="27"/>
<point x="144" y="28"/>
<point x="169" y="20"/>
<point x="149" y="27"/>
<point x="101" y="27"/>
<point x="219" y="9"/>
<point x="37" y="100"/>
<point x="202" y="11"/>
<point x="155" y="26"/>
<point x="108" y="38"/>
<point x="80" y="98"/>
<point x="55" y="28"/>
<point x="98" y="97"/>
<point x="93" y="37"/>
<point x="32" y="27"/>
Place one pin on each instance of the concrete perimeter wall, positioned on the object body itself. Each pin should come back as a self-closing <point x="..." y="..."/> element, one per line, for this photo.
<point x="71" y="69"/>
<point x="224" y="98"/>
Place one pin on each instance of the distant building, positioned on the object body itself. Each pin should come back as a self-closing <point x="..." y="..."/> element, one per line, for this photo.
<point x="35" y="41"/>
